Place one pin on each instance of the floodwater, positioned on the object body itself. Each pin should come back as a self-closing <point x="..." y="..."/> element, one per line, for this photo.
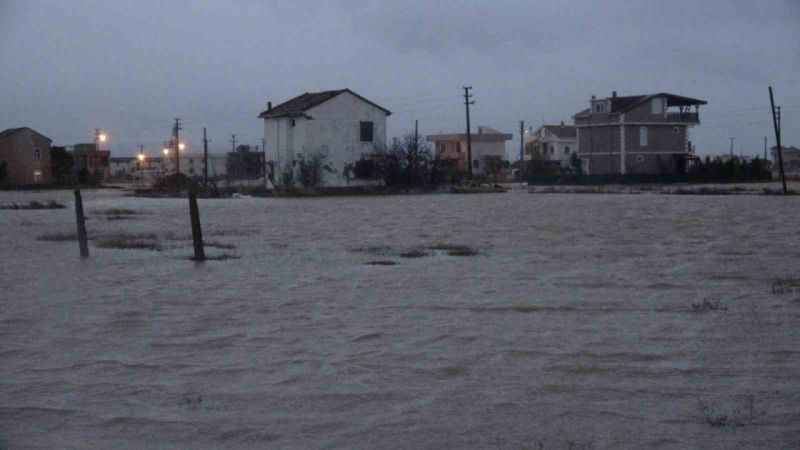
<point x="573" y="326"/>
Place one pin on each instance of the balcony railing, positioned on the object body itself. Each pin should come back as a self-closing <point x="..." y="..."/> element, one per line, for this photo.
<point x="683" y="117"/>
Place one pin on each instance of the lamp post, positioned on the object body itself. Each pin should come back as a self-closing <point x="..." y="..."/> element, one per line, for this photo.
<point x="140" y="158"/>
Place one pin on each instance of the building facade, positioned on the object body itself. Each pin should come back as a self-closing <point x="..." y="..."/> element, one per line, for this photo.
<point x="553" y="143"/>
<point x="791" y="162"/>
<point x="26" y="154"/>
<point x="637" y="135"/>
<point x="488" y="143"/>
<point x="339" y="125"/>
<point x="92" y="159"/>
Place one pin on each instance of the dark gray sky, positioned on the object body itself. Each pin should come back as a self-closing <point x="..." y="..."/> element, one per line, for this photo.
<point x="132" y="66"/>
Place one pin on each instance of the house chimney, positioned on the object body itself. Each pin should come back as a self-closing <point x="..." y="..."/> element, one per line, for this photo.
<point x="593" y="97"/>
<point x="614" y="94"/>
<point x="269" y="106"/>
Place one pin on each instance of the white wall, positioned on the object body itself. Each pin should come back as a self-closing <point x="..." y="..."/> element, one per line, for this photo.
<point x="334" y="131"/>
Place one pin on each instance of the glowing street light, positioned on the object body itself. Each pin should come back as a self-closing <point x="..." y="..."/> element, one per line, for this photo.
<point x="141" y="157"/>
<point x="166" y="151"/>
<point x="102" y="137"/>
<point x="181" y="146"/>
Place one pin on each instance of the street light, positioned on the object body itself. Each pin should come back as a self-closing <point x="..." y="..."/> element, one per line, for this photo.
<point x="166" y="151"/>
<point x="181" y="146"/>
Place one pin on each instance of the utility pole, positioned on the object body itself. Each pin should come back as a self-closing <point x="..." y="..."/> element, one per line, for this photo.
<point x="205" y="158"/>
<point x="765" y="148"/>
<point x="521" y="140"/>
<point x="177" y="138"/>
<point x="467" y="102"/>
<point x="776" y="122"/>
<point x="233" y="142"/>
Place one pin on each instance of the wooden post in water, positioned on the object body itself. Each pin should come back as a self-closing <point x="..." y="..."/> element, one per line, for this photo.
<point x="81" y="222"/>
<point x="197" y="232"/>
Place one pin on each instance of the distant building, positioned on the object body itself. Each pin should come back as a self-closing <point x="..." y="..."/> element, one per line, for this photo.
<point x="26" y="154"/>
<point x="122" y="167"/>
<point x="791" y="162"/>
<point x="640" y="134"/>
<point x="90" y="158"/>
<point x="488" y="143"/>
<point x="340" y="125"/>
<point x="191" y="165"/>
<point x="553" y="143"/>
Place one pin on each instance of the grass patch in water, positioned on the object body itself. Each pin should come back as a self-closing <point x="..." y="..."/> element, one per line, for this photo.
<point x="116" y="212"/>
<point x="707" y="305"/>
<point x="454" y="250"/>
<point x="58" y="237"/>
<point x="416" y="253"/>
<point x="381" y="263"/>
<point x="129" y="241"/>
<point x="220" y="245"/>
<point x="50" y="204"/>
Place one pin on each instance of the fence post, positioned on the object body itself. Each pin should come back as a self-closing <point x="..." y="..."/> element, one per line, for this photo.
<point x="81" y="222"/>
<point x="197" y="232"/>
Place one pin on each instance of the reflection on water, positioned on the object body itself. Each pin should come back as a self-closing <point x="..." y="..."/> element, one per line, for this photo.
<point x="571" y="323"/>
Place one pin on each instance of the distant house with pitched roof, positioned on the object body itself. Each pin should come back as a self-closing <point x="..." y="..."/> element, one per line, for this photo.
<point x="340" y="124"/>
<point x="486" y="144"/>
<point x="553" y="143"/>
<point x="26" y="155"/>
<point x="639" y="134"/>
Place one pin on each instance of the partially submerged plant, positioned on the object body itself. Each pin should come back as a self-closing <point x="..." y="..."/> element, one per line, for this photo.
<point x="707" y="305"/>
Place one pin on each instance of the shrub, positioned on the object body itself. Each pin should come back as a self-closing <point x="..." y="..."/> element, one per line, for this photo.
<point x="311" y="169"/>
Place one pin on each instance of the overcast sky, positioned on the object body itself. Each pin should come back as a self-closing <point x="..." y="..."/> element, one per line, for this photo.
<point x="130" y="67"/>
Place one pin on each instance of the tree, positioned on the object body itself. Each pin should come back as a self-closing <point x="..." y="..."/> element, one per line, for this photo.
<point x="576" y="164"/>
<point x="406" y="163"/>
<point x="61" y="163"/>
<point x="311" y="168"/>
<point x="493" y="167"/>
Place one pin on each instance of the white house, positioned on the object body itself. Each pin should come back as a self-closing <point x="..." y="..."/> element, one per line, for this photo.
<point x="340" y="125"/>
<point x="488" y="143"/>
<point x="553" y="142"/>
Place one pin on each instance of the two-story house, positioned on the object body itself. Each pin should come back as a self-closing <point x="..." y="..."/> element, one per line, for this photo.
<point x="340" y="125"/>
<point x="553" y="143"/>
<point x="486" y="144"/>
<point x="25" y="153"/>
<point x="637" y="135"/>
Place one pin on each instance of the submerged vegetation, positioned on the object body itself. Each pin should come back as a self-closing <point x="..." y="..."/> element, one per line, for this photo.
<point x="33" y="204"/>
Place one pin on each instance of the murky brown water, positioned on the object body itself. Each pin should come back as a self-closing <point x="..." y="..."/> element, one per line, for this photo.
<point x="573" y="327"/>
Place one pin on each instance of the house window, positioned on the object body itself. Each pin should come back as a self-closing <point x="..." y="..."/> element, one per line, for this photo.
<point x="37" y="154"/>
<point x="367" y="131"/>
<point x="657" y="105"/>
<point x="600" y="107"/>
<point x="643" y="136"/>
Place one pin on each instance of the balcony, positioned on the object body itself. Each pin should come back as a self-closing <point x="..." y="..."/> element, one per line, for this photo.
<point x="685" y="117"/>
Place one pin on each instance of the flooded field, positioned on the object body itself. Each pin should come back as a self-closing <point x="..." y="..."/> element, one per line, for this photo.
<point x="509" y="321"/>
